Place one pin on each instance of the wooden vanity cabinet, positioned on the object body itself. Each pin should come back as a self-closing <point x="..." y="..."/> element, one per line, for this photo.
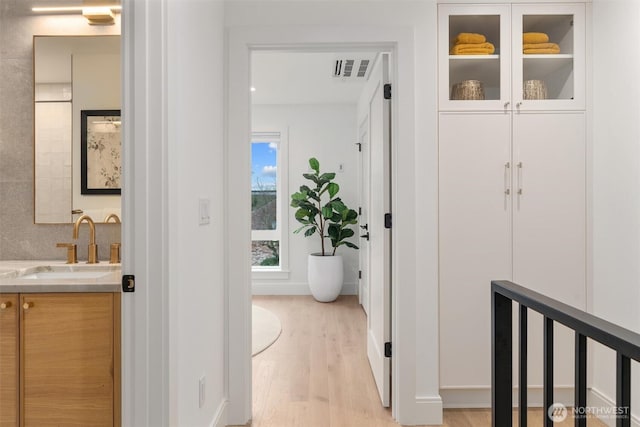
<point x="9" y="360"/>
<point x="69" y="360"/>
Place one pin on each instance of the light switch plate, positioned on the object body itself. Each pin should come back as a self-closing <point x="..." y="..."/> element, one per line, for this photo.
<point x="204" y="210"/>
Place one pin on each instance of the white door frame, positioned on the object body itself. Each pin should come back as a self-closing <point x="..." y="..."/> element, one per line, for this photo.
<point x="400" y="42"/>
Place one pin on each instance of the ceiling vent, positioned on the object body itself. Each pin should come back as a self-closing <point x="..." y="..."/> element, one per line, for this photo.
<point x="353" y="68"/>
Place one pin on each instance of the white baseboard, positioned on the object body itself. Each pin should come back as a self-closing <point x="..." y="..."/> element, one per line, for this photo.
<point x="427" y="410"/>
<point x="262" y="288"/>
<point x="480" y="397"/>
<point x="597" y="399"/>
<point x="220" y="418"/>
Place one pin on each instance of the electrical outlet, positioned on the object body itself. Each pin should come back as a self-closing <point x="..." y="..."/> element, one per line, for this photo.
<point x="201" y="391"/>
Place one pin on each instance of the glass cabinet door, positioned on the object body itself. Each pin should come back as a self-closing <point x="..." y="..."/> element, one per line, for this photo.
<point x="548" y="57"/>
<point x="474" y="63"/>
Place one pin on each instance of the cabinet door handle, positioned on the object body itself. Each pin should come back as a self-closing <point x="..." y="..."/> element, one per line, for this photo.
<point x="5" y="305"/>
<point x="506" y="104"/>
<point x="519" y="178"/>
<point x="27" y="305"/>
<point x="507" y="167"/>
<point x="519" y="104"/>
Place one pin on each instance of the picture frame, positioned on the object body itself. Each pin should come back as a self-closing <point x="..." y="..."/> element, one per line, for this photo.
<point x="100" y="152"/>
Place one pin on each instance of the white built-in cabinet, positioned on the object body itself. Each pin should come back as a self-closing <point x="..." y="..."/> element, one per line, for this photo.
<point x="512" y="185"/>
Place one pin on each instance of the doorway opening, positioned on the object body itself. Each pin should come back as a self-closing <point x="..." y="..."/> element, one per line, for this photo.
<point x="332" y="105"/>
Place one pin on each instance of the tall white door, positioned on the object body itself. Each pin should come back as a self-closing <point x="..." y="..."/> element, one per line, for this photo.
<point x="374" y="108"/>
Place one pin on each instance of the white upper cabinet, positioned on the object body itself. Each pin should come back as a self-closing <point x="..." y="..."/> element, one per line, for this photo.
<point x="498" y="71"/>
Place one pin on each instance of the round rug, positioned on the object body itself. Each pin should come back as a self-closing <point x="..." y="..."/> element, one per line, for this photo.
<point x="266" y="329"/>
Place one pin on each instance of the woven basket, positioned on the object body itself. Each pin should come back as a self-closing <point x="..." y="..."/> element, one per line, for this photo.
<point x="468" y="90"/>
<point x="534" y="89"/>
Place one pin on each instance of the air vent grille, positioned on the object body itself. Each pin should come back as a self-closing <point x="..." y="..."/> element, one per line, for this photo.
<point x="351" y="68"/>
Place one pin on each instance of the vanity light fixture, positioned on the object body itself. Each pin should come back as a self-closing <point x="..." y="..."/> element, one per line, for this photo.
<point x="96" y="15"/>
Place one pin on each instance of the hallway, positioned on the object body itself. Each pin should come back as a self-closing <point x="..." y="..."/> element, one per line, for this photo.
<point x="317" y="374"/>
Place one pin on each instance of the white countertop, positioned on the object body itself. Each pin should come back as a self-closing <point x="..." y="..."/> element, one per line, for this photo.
<point x="12" y="281"/>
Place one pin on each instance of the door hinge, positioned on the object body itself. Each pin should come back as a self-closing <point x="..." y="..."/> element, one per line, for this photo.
<point x="359" y="144"/>
<point x="128" y="283"/>
<point x="387" y="220"/>
<point x="387" y="349"/>
<point x="387" y="91"/>
<point x="360" y="210"/>
<point x="360" y="274"/>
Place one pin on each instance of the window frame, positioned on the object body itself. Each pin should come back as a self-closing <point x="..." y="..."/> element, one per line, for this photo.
<point x="281" y="232"/>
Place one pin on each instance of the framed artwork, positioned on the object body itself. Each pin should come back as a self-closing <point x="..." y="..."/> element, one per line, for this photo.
<point x="100" y="152"/>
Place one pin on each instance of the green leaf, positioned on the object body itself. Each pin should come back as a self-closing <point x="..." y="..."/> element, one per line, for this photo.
<point x="327" y="212"/>
<point x="338" y="206"/>
<point x="336" y="217"/>
<point x="298" y="196"/>
<point x="333" y="189"/>
<point x="346" y="233"/>
<point x="314" y="164"/>
<point x="311" y="176"/>
<point x="334" y="232"/>
<point x="328" y="176"/>
<point x="310" y="231"/>
<point x="350" y="245"/>
<point x="351" y="215"/>
<point x="302" y="213"/>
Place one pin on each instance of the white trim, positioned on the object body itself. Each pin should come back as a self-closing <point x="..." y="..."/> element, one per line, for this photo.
<point x="220" y="418"/>
<point x="295" y="289"/>
<point x="145" y="313"/>
<point x="598" y="399"/>
<point x="400" y="42"/>
<point x="269" y="273"/>
<point x="480" y="397"/>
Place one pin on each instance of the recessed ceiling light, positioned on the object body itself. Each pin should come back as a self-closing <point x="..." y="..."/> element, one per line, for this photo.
<point x="253" y="89"/>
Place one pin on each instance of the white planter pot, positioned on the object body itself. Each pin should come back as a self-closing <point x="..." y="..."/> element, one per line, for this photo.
<point x="325" y="276"/>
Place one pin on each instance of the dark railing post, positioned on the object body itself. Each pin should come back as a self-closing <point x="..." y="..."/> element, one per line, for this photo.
<point x="522" y="368"/>
<point x="580" y="381"/>
<point x="548" y="371"/>
<point x="623" y="390"/>
<point x="501" y="361"/>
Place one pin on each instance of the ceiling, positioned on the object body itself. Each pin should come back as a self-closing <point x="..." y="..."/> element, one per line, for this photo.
<point x="303" y="78"/>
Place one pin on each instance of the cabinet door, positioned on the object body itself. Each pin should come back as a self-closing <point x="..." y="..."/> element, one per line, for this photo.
<point x="491" y="70"/>
<point x="549" y="222"/>
<point x="67" y="352"/>
<point x="561" y="74"/>
<point x="475" y="239"/>
<point x="8" y="360"/>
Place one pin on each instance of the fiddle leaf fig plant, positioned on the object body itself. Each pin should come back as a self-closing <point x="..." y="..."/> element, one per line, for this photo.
<point x="320" y="211"/>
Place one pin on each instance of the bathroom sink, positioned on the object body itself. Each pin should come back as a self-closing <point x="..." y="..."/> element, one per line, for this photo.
<point x="65" y="275"/>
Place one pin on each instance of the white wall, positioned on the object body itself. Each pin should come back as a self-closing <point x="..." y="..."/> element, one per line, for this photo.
<point x="616" y="180"/>
<point x="195" y="170"/>
<point x="327" y="132"/>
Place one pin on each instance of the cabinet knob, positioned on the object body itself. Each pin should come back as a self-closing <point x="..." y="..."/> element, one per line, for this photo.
<point x="5" y="305"/>
<point x="27" y="305"/>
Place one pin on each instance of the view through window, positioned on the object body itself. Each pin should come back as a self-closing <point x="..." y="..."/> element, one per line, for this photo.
<point x="265" y="210"/>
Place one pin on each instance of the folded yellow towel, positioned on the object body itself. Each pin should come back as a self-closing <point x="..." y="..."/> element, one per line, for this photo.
<point x="473" y="49"/>
<point x="541" y="51"/>
<point x="465" y="38"/>
<point x="541" y="46"/>
<point x="534" y="38"/>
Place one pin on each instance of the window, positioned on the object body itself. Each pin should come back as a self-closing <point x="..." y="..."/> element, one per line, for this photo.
<point x="268" y="202"/>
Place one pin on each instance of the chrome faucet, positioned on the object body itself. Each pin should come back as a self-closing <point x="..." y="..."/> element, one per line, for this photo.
<point x="93" y="248"/>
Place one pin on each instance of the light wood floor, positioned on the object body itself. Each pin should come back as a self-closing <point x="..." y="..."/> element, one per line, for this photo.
<point x="317" y="374"/>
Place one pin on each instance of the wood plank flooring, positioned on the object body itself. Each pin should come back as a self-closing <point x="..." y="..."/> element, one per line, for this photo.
<point x="317" y="374"/>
